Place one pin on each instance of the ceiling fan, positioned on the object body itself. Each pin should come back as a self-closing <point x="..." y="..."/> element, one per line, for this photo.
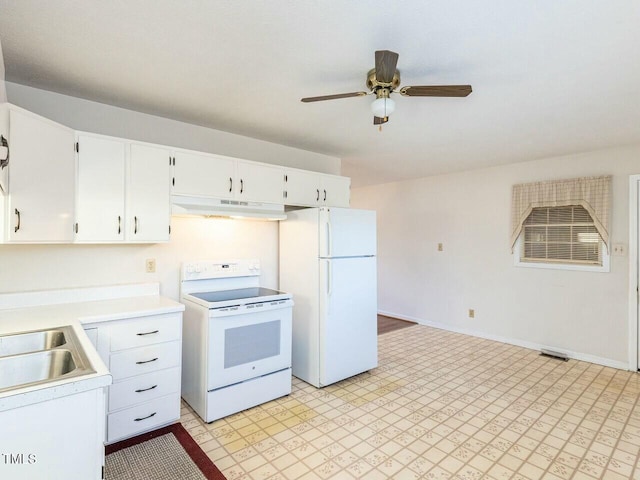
<point x="384" y="79"/>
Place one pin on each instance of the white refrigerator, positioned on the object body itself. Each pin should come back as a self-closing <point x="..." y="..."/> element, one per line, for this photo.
<point x="328" y="263"/>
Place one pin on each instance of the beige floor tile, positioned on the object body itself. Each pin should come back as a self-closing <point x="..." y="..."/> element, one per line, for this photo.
<point x="440" y="405"/>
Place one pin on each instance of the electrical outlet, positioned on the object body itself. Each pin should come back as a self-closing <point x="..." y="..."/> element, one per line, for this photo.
<point x="619" y="249"/>
<point x="440" y="247"/>
<point x="472" y="313"/>
<point x="150" y="265"/>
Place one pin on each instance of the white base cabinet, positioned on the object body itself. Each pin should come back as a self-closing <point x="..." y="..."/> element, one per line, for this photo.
<point x="143" y="355"/>
<point x="60" y="439"/>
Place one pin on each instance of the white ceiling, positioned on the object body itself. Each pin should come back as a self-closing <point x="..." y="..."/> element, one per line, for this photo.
<point x="549" y="77"/>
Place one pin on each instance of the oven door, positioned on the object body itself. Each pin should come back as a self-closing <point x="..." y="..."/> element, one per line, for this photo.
<point x="248" y="345"/>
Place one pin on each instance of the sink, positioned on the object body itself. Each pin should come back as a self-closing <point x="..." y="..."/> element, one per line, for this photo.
<point x="39" y="357"/>
<point x="31" y="342"/>
<point x="35" y="367"/>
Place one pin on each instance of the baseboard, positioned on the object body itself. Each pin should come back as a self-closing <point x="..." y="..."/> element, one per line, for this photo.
<point x="585" y="357"/>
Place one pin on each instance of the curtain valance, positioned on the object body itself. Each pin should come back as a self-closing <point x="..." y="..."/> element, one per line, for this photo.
<point x="592" y="193"/>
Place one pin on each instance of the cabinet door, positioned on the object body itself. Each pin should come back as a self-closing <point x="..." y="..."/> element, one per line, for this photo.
<point x="303" y="188"/>
<point x="259" y="183"/>
<point x="41" y="206"/>
<point x="336" y="191"/>
<point x="101" y="183"/>
<point x="148" y="198"/>
<point x="203" y="175"/>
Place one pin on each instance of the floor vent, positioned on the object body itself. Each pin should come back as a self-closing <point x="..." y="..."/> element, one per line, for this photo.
<point x="552" y="354"/>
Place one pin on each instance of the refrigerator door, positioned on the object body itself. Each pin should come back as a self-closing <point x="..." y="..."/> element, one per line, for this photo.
<point x="346" y="232"/>
<point x="348" y="318"/>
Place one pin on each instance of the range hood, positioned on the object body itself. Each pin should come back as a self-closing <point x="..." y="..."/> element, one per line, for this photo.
<point x="217" y="207"/>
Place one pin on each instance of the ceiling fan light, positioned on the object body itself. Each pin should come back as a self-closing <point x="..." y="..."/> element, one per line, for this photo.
<point x="383" y="107"/>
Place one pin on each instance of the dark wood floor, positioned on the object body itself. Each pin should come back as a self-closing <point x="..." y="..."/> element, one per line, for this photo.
<point x="388" y="324"/>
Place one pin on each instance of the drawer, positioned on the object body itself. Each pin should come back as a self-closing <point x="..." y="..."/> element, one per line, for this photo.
<point x="143" y="417"/>
<point x="144" y="360"/>
<point x="145" y="331"/>
<point x="144" y="388"/>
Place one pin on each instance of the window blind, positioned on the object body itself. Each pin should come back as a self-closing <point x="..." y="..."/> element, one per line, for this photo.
<point x="591" y="193"/>
<point x="561" y="234"/>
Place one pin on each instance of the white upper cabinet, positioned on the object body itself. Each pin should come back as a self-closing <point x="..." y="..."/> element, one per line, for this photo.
<point x="122" y="191"/>
<point x="149" y="194"/>
<point x="216" y="176"/>
<point x="203" y="175"/>
<point x="100" y="189"/>
<point x="336" y="191"/>
<point x="304" y="188"/>
<point x="259" y="182"/>
<point x="40" y="205"/>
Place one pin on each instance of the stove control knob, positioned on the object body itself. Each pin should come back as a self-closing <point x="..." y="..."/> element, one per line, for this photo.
<point x="198" y="268"/>
<point x="189" y="268"/>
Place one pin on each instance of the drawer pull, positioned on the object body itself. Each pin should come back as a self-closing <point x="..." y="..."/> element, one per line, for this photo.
<point x="147" y="333"/>
<point x="147" y="361"/>
<point x="146" y="389"/>
<point x="144" y="418"/>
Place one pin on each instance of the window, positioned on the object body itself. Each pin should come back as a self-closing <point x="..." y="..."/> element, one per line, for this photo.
<point x="562" y="224"/>
<point x="561" y="235"/>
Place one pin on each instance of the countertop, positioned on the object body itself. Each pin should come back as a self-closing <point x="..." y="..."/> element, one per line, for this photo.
<point x="26" y="311"/>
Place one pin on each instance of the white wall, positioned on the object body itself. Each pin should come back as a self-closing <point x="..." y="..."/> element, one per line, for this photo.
<point x="41" y="267"/>
<point x="96" y="117"/>
<point x="37" y="267"/>
<point x="469" y="212"/>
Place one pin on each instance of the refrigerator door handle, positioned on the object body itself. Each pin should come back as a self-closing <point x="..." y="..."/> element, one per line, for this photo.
<point x="329" y="282"/>
<point x="329" y="242"/>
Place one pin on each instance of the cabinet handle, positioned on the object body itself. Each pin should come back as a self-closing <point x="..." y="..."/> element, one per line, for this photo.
<point x="17" y="227"/>
<point x="5" y="161"/>
<point x="145" y="389"/>
<point x="144" y="418"/>
<point x="317" y="194"/>
<point x="325" y="196"/>
<point x="147" y="333"/>
<point x="76" y="228"/>
<point x="119" y="224"/>
<point x="146" y="361"/>
<point x="230" y="184"/>
<point x="241" y="185"/>
<point x="135" y="225"/>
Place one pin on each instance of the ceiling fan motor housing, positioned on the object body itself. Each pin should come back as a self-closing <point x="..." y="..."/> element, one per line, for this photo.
<point x="374" y="85"/>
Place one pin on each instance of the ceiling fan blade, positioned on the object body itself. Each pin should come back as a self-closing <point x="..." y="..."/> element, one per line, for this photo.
<point x="380" y="120"/>
<point x="437" y="91"/>
<point x="386" y="62"/>
<point x="333" y="97"/>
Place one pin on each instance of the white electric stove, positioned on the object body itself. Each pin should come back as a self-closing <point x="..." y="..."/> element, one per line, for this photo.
<point x="236" y="350"/>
